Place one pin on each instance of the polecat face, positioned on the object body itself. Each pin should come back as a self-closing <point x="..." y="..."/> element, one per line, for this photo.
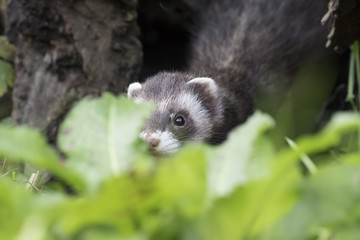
<point x="187" y="109"/>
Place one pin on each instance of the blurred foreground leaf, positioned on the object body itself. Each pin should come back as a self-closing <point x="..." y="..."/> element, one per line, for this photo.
<point x="251" y="191"/>
<point x="27" y="145"/>
<point x="329" y="200"/>
<point x="99" y="135"/>
<point x="15" y="204"/>
<point x="244" y="156"/>
<point x="329" y="197"/>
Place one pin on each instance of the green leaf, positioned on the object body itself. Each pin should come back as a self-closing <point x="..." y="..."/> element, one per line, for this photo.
<point x="25" y="144"/>
<point x="250" y="198"/>
<point x="98" y="137"/>
<point x="181" y="181"/>
<point x="7" y="50"/>
<point x="329" y="199"/>
<point x="244" y="156"/>
<point x="332" y="134"/>
<point x="328" y="196"/>
<point x="156" y="204"/>
<point x="22" y="144"/>
<point x="252" y="208"/>
<point x="15" y="204"/>
<point x="259" y="204"/>
<point x="6" y="76"/>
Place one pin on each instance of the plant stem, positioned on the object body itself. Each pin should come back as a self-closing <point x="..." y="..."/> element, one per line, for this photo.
<point x="4" y="165"/>
<point x="351" y="82"/>
<point x="357" y="66"/>
<point x="356" y="52"/>
<point x="310" y="166"/>
<point x="34" y="181"/>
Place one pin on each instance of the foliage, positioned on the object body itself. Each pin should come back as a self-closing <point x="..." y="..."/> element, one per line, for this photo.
<point x="109" y="187"/>
<point x="6" y="70"/>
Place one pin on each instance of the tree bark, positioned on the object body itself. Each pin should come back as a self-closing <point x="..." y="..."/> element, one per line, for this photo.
<point x="68" y="49"/>
<point x="344" y="18"/>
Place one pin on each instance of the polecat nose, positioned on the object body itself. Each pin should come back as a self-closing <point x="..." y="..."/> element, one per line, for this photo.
<point x="153" y="142"/>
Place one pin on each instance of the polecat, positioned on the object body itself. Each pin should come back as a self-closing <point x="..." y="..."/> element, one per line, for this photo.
<point x="240" y="47"/>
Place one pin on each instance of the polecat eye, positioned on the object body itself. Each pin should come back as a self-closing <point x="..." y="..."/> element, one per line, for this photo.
<point x="179" y="121"/>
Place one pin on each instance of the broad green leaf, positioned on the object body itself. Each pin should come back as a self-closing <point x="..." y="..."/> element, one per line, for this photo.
<point x="157" y="204"/>
<point x="44" y="209"/>
<point x="15" y="204"/>
<point x="250" y="198"/>
<point x="178" y="194"/>
<point x="329" y="200"/>
<point x="344" y="233"/>
<point x="98" y="137"/>
<point x="6" y="76"/>
<point x="181" y="181"/>
<point x="306" y="218"/>
<point x="170" y="198"/>
<point x="258" y="205"/>
<point x="332" y="134"/>
<point x="251" y="208"/>
<point x="246" y="155"/>
<point x="28" y="145"/>
<point x="22" y="144"/>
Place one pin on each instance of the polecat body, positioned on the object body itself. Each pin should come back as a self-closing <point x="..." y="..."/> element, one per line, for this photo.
<point x="241" y="46"/>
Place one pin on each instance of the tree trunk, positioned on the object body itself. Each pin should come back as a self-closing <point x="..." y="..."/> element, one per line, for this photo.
<point x="344" y="18"/>
<point x="68" y="49"/>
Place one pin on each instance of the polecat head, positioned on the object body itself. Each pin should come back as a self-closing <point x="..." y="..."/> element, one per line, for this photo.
<point x="187" y="109"/>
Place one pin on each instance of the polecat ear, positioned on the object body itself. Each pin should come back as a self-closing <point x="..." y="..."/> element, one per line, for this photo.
<point x="207" y="83"/>
<point x="133" y="90"/>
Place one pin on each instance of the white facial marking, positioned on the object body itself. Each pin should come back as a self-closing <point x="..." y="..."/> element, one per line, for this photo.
<point x="133" y="87"/>
<point x="167" y="143"/>
<point x="143" y="135"/>
<point x="213" y="88"/>
<point x="197" y="112"/>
